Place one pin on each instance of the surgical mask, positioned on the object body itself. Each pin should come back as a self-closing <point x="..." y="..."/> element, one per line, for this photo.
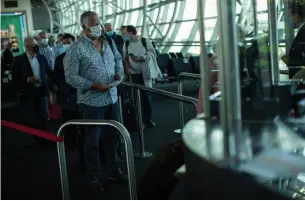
<point x="96" y="31"/>
<point x="66" y="47"/>
<point x="109" y="33"/>
<point x="44" y="41"/>
<point x="127" y="38"/>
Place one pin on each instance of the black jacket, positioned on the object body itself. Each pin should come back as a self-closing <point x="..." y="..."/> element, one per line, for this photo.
<point x="66" y="95"/>
<point x="22" y="70"/>
<point x="119" y="42"/>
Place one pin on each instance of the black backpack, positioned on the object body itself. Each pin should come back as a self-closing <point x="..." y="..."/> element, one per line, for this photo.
<point x="109" y="40"/>
<point x="143" y="43"/>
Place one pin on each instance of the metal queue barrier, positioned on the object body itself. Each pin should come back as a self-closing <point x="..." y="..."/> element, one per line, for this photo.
<point x="128" y="147"/>
<point x="180" y="91"/>
<point x="160" y="92"/>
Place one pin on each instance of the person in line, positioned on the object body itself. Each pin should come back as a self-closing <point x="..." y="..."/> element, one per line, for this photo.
<point x="135" y="51"/>
<point x="90" y="66"/>
<point x="66" y="95"/>
<point x="114" y="36"/>
<point x="51" y="41"/>
<point x="45" y="49"/>
<point x="59" y="37"/>
<point x="7" y="58"/>
<point x="122" y="30"/>
<point x="30" y="71"/>
<point x="296" y="57"/>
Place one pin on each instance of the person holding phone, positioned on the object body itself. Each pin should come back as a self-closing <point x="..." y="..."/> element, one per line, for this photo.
<point x="135" y="51"/>
<point x="29" y="74"/>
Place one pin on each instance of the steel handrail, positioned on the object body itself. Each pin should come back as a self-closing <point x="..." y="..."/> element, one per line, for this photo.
<point x="180" y="91"/>
<point x="160" y="92"/>
<point x="128" y="147"/>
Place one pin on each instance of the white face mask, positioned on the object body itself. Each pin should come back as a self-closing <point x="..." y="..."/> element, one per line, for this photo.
<point x="66" y="47"/>
<point x="44" y="41"/>
<point x="96" y="31"/>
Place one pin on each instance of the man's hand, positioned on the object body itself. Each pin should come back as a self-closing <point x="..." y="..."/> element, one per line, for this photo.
<point x="100" y="87"/>
<point x="34" y="80"/>
<point x="137" y="59"/>
<point x="285" y="59"/>
<point x="128" y="71"/>
<point x="117" y="76"/>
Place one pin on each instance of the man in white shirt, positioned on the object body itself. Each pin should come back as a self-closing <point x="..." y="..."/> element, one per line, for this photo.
<point x="135" y="51"/>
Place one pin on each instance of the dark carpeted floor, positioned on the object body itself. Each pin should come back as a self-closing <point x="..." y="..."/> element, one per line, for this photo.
<point x="30" y="170"/>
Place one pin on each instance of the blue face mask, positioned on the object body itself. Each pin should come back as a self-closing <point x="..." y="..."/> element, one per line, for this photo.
<point x="127" y="38"/>
<point x="109" y="33"/>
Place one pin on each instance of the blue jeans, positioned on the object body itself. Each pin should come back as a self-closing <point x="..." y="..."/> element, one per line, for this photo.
<point x="100" y="143"/>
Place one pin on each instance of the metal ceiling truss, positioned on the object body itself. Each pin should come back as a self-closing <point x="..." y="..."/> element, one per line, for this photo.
<point x="153" y="19"/>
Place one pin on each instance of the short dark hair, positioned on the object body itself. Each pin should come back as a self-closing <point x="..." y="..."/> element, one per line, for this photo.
<point x="131" y="29"/>
<point x="68" y="36"/>
<point x="297" y="8"/>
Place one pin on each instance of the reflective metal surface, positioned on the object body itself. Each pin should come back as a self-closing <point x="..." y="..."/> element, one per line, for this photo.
<point x="128" y="148"/>
<point x="180" y="91"/>
<point x="257" y="136"/>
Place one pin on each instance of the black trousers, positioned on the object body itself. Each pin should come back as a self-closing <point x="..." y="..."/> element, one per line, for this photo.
<point x="146" y="97"/>
<point x="71" y="132"/>
<point x="34" y="109"/>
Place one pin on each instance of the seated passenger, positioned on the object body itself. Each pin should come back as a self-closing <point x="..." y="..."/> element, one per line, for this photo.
<point x="296" y="57"/>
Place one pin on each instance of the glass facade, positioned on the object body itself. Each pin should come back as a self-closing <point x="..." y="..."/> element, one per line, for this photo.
<point x="171" y="23"/>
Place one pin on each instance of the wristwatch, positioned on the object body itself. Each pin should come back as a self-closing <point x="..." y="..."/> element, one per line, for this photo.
<point x="142" y="59"/>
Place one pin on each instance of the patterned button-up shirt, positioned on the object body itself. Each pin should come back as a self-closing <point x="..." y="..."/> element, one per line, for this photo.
<point x="85" y="65"/>
<point x="49" y="53"/>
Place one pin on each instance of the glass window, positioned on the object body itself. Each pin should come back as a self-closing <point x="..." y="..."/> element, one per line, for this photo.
<point x="190" y="11"/>
<point x="184" y="31"/>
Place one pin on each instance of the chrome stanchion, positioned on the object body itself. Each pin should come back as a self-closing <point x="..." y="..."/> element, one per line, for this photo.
<point x="180" y="92"/>
<point x="142" y="153"/>
<point x="128" y="147"/>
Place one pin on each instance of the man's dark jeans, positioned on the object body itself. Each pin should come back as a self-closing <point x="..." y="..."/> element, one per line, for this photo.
<point x="100" y="143"/>
<point x="146" y="97"/>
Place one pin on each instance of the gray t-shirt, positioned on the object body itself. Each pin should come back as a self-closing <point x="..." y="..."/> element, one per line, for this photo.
<point x="136" y="48"/>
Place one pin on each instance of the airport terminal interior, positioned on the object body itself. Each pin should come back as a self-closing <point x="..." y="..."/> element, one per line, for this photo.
<point x="152" y="99"/>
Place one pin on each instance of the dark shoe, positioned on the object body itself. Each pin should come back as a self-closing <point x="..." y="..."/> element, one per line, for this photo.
<point x="95" y="186"/>
<point x="118" y="176"/>
<point x="150" y="124"/>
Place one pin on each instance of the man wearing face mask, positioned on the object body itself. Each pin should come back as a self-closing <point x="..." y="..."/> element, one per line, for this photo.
<point x="135" y="51"/>
<point x="115" y="37"/>
<point x="46" y="50"/>
<point x="296" y="57"/>
<point x="90" y="67"/>
<point x="30" y="71"/>
<point x="66" y="95"/>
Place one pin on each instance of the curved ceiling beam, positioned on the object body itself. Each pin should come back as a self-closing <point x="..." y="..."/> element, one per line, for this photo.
<point x="50" y="15"/>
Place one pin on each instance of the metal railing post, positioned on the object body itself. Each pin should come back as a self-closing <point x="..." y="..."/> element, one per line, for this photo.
<point x="142" y="153"/>
<point x="128" y="147"/>
<point x="180" y="91"/>
<point x="120" y="110"/>
<point x="273" y="40"/>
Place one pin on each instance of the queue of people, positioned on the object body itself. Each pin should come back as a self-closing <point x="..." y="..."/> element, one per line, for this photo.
<point x="81" y="71"/>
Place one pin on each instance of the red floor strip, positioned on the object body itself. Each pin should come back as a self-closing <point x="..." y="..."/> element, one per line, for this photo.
<point x="32" y="131"/>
